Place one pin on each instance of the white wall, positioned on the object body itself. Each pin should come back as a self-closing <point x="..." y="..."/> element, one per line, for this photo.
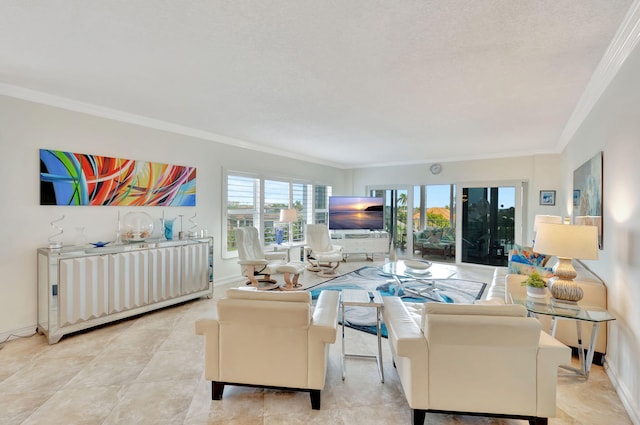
<point x="26" y="127"/>
<point x="613" y="127"/>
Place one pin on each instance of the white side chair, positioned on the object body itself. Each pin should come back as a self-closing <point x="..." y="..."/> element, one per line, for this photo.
<point x="487" y="360"/>
<point x="269" y="340"/>
<point x="323" y="257"/>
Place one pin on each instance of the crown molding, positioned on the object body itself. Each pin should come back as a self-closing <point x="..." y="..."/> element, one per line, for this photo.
<point x="623" y="43"/>
<point x="116" y="115"/>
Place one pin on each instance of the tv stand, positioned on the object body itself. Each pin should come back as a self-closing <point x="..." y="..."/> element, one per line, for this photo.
<point x="358" y="242"/>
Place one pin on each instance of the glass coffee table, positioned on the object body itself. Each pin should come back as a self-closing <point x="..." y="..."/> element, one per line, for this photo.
<point x="418" y="277"/>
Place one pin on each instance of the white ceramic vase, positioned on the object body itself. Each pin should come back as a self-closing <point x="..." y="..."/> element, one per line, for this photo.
<point x="534" y="292"/>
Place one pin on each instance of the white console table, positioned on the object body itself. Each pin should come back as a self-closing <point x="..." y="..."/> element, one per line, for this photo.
<point x="79" y="288"/>
<point x="368" y="244"/>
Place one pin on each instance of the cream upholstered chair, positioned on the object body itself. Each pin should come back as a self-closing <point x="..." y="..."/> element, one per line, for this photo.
<point x="487" y="360"/>
<point x="270" y="339"/>
<point x="254" y="263"/>
<point x="322" y="255"/>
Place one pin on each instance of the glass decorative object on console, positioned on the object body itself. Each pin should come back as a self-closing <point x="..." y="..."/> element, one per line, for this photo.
<point x="168" y="228"/>
<point x="193" y="232"/>
<point x="53" y="243"/>
<point x="136" y="226"/>
<point x="118" y="240"/>
<point x="80" y="238"/>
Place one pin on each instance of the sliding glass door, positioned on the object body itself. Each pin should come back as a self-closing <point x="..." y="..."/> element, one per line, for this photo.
<point x="473" y="224"/>
<point x="488" y="224"/>
<point x="396" y="217"/>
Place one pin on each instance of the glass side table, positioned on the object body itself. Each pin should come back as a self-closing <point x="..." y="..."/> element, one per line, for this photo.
<point x="558" y="310"/>
<point x="362" y="298"/>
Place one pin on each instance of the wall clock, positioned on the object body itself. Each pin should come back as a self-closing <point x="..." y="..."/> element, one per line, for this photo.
<point x="435" y="168"/>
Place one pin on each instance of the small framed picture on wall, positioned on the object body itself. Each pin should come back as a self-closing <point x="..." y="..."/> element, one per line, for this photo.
<point x="576" y="197"/>
<point x="548" y="197"/>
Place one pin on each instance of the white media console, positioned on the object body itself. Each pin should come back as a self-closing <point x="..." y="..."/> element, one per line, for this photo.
<point x="366" y="243"/>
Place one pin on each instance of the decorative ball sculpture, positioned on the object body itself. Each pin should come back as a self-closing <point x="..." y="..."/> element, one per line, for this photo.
<point x="136" y="226"/>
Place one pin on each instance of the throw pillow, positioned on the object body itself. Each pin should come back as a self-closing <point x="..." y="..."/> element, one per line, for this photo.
<point x="525" y="255"/>
<point x="524" y="261"/>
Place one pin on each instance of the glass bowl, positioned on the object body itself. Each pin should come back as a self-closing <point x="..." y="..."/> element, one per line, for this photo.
<point x="136" y="226"/>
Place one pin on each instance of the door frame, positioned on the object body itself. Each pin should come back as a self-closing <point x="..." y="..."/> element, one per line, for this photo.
<point x="409" y="189"/>
<point x="521" y="189"/>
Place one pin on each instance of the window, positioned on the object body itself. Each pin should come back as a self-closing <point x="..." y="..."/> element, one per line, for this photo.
<point x="276" y="198"/>
<point x="321" y="204"/>
<point x="243" y="202"/>
<point x="255" y="201"/>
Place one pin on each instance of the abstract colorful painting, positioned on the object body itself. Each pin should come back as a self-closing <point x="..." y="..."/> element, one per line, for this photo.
<point x="68" y="178"/>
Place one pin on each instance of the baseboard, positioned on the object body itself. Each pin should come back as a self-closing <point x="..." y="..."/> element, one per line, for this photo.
<point x="17" y="333"/>
<point x="625" y="397"/>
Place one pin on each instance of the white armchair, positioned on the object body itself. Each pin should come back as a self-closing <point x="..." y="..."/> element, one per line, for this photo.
<point x="255" y="264"/>
<point x="322" y="255"/>
<point x="270" y="340"/>
<point x="487" y="360"/>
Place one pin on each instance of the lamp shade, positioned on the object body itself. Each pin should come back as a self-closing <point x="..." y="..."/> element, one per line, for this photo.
<point x="543" y="218"/>
<point x="567" y="241"/>
<point x="289" y="215"/>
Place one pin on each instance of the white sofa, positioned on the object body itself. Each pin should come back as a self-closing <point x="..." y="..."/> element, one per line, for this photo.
<point x="595" y="294"/>
<point x="269" y="339"/>
<point x="489" y="360"/>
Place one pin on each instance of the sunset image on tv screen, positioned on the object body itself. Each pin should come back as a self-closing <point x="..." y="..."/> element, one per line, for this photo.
<point x="354" y="212"/>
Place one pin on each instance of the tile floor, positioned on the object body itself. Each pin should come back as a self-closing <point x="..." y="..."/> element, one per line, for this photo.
<point x="149" y="370"/>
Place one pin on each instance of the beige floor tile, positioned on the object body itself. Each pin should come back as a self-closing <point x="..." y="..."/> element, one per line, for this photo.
<point x="78" y="406"/>
<point x="44" y="375"/>
<point x="106" y="370"/>
<point x="16" y="408"/>
<point x="153" y="403"/>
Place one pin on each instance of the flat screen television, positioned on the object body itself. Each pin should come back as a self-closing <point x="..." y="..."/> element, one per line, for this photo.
<point x="356" y="213"/>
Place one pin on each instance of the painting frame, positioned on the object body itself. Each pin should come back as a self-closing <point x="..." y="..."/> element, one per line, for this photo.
<point x="588" y="183"/>
<point x="548" y="197"/>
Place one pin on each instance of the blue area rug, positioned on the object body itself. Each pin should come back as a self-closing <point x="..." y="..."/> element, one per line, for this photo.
<point x="372" y="279"/>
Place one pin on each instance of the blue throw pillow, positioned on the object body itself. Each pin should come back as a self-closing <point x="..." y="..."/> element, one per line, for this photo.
<point x="524" y="261"/>
<point x="525" y="255"/>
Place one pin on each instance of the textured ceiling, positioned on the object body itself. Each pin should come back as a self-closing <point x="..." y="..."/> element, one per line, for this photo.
<point x="349" y="83"/>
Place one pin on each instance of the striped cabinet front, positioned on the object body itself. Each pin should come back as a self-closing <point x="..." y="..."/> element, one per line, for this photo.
<point x="128" y="280"/>
<point x="83" y="288"/>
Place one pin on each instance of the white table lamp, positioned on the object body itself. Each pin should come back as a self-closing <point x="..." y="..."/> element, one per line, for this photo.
<point x="289" y="216"/>
<point x="566" y="241"/>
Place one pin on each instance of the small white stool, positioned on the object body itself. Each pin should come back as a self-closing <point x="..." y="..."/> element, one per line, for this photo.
<point x="288" y="269"/>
